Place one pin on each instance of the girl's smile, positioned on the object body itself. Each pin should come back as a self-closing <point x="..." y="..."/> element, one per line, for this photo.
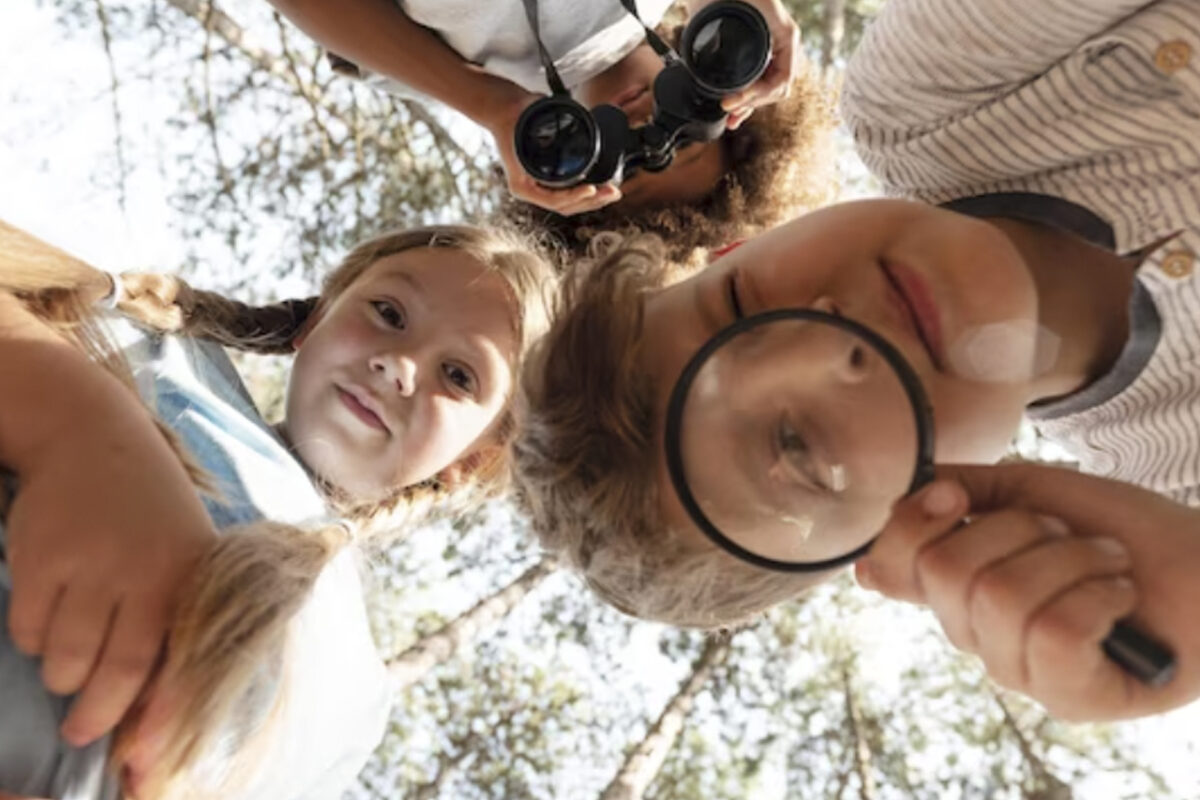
<point x="364" y="410"/>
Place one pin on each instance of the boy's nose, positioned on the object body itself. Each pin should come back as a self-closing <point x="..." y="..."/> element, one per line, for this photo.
<point x="399" y="370"/>
<point x="850" y="358"/>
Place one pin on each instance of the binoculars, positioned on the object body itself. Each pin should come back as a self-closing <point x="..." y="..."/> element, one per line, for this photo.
<point x="724" y="48"/>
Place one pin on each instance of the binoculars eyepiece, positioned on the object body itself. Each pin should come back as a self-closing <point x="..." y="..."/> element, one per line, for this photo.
<point x="724" y="48"/>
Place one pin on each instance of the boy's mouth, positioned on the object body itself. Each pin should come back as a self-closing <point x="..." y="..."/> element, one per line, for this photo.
<point x="918" y="305"/>
<point x="362" y="408"/>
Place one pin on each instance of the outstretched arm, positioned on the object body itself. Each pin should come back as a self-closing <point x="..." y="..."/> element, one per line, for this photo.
<point x="105" y="523"/>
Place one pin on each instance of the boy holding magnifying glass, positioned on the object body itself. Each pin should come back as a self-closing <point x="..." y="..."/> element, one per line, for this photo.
<point x="1055" y="280"/>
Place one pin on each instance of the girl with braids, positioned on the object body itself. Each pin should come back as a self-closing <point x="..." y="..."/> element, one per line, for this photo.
<point x="270" y="686"/>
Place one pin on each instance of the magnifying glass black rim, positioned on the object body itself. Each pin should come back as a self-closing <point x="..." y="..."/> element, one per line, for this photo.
<point x="918" y="400"/>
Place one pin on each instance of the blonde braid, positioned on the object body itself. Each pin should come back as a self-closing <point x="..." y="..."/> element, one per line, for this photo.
<point x="168" y="303"/>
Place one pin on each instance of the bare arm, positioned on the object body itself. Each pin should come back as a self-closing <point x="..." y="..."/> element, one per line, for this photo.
<point x="52" y="390"/>
<point x="104" y="528"/>
<point x="378" y="35"/>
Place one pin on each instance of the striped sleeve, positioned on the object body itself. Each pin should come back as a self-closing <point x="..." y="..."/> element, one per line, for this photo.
<point x="922" y="61"/>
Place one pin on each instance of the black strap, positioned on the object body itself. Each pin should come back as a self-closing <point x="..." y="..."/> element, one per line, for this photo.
<point x="552" y="78"/>
<point x="662" y="48"/>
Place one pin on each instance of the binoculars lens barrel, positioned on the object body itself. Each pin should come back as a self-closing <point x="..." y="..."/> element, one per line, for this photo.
<point x="557" y="141"/>
<point x="726" y="47"/>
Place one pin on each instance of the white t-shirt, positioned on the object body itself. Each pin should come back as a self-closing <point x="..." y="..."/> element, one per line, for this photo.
<point x="1085" y="115"/>
<point x="584" y="37"/>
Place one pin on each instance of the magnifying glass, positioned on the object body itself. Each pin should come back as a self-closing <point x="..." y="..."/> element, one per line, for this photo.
<point x="791" y="434"/>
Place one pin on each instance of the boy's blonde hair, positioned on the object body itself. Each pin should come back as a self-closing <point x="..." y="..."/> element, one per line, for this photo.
<point x="233" y="614"/>
<point x="167" y="303"/>
<point x="585" y="457"/>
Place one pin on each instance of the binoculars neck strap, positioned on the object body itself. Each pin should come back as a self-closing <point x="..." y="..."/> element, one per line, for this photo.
<point x="662" y="48"/>
<point x="552" y="77"/>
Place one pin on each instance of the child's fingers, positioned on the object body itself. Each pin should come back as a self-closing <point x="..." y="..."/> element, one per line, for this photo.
<point x="1069" y="631"/>
<point x="890" y="567"/>
<point x="145" y="746"/>
<point x="32" y="605"/>
<point x="604" y="196"/>
<point x="1006" y="599"/>
<point x="129" y="656"/>
<point x="74" y="637"/>
<point x="775" y="79"/>
<point x="952" y="567"/>
<point x="531" y="191"/>
<point x="1084" y="502"/>
<point x="738" y="117"/>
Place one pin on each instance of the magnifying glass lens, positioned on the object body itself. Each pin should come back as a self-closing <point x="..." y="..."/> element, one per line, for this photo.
<point x="796" y="436"/>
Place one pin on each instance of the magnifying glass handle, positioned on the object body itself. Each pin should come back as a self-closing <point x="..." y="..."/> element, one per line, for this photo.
<point x="1146" y="659"/>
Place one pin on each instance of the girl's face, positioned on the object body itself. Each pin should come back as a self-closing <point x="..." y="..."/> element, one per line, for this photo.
<point x="949" y="292"/>
<point x="404" y="373"/>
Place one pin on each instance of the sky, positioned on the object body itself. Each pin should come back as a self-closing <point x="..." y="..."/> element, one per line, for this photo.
<point x="56" y="136"/>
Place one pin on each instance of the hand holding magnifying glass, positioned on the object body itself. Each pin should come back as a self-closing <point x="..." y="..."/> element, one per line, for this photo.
<point x="791" y="435"/>
<point x="1033" y="594"/>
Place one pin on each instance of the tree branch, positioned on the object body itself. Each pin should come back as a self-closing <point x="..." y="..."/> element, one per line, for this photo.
<point x="106" y="35"/>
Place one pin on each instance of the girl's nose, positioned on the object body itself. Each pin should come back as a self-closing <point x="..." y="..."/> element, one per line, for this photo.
<point x="399" y="370"/>
<point x="850" y="358"/>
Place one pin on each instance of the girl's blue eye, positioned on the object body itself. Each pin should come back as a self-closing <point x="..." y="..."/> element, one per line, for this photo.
<point x="390" y="313"/>
<point x="460" y="377"/>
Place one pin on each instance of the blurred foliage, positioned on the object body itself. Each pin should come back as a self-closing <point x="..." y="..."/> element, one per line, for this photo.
<point x="276" y="167"/>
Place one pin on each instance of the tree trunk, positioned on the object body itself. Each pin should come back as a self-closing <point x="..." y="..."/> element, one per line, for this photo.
<point x="412" y="665"/>
<point x="220" y="23"/>
<point x="860" y="745"/>
<point x="1046" y="785"/>
<point x="833" y="30"/>
<point x="645" y="760"/>
<point x="447" y="767"/>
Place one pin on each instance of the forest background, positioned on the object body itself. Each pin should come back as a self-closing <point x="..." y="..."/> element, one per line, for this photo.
<point x="213" y="140"/>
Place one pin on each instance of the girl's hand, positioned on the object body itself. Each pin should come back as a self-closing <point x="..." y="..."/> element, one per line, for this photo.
<point x="776" y="81"/>
<point x="104" y="528"/>
<point x="1034" y="580"/>
<point x="502" y="125"/>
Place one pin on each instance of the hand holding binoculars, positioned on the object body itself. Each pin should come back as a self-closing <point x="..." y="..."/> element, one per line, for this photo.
<point x="724" y="49"/>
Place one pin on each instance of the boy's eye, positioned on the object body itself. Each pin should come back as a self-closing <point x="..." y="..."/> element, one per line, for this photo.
<point x="461" y="378"/>
<point x="735" y="300"/>
<point x="390" y="313"/>
<point x="796" y="452"/>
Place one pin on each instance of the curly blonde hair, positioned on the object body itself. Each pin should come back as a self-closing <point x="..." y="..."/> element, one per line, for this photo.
<point x="781" y="164"/>
<point x="167" y="303"/>
<point x="585" y="455"/>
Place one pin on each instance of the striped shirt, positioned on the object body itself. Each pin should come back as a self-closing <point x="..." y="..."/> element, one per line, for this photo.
<point x="1083" y="114"/>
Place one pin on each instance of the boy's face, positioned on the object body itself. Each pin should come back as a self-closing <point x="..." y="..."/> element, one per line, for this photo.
<point x="404" y="373"/>
<point x="949" y="292"/>
<point x="696" y="168"/>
